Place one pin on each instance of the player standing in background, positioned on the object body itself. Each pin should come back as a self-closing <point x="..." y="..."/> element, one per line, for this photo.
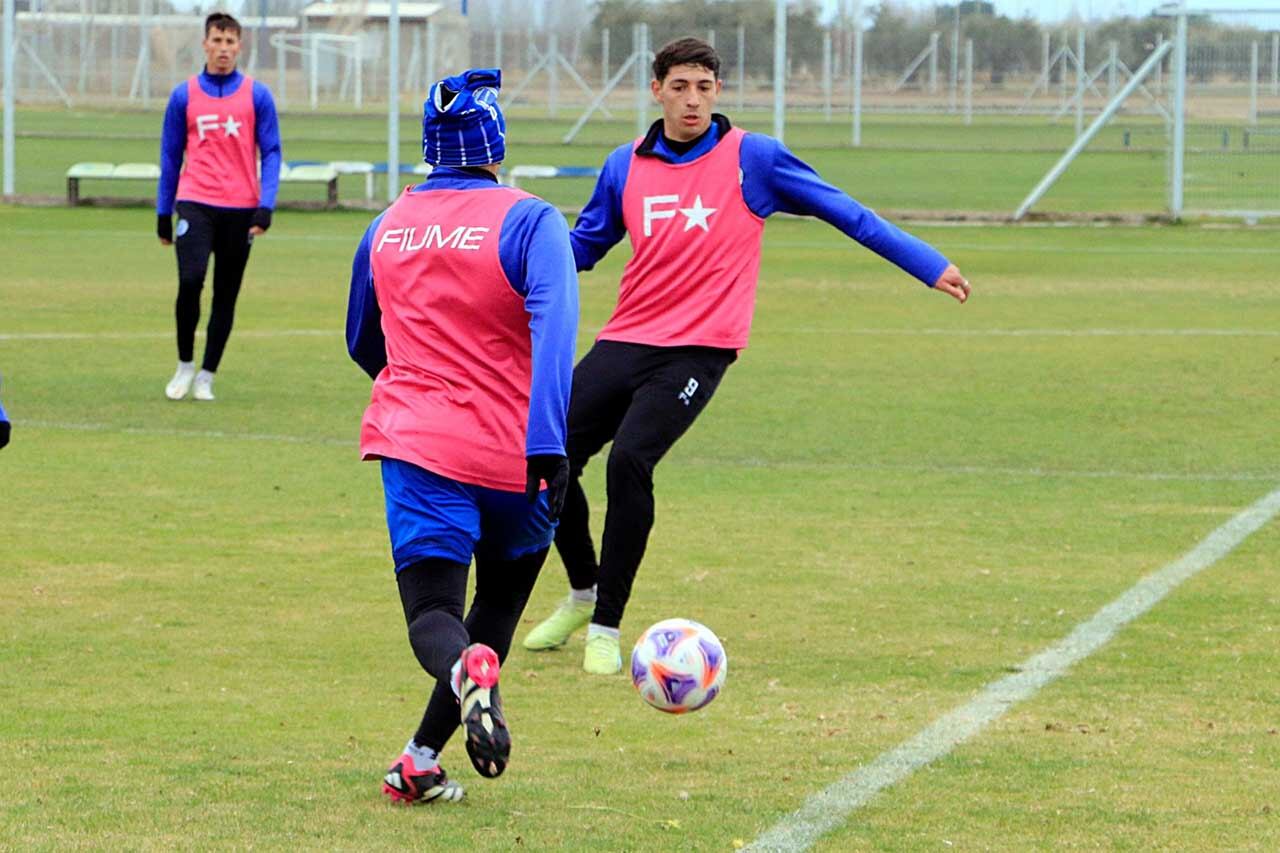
<point x="464" y="309"/>
<point x="221" y="120"/>
<point x="692" y="195"/>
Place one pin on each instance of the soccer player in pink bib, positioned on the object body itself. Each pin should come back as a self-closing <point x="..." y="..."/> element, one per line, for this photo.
<point x="692" y="195"/>
<point x="216" y="125"/>
<point x="464" y="310"/>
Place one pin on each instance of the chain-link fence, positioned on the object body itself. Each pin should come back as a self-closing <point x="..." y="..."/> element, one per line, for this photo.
<point x="953" y="79"/>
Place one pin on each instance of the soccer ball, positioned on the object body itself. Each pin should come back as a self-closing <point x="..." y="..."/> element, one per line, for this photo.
<point x="678" y="665"/>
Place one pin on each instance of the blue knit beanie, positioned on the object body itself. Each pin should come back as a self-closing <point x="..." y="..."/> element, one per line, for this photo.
<point x="462" y="124"/>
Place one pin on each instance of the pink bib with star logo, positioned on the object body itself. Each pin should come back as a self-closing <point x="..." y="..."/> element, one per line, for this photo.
<point x="221" y="167"/>
<point x="691" y="280"/>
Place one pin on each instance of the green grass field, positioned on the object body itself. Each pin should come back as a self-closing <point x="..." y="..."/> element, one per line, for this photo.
<point x="891" y="502"/>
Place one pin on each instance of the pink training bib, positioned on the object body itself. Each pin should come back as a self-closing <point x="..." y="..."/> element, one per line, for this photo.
<point x="454" y="396"/>
<point x="221" y="167"/>
<point x="696" y="252"/>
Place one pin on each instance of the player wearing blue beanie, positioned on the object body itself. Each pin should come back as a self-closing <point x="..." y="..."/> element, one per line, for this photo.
<point x="469" y="337"/>
<point x="462" y="124"/>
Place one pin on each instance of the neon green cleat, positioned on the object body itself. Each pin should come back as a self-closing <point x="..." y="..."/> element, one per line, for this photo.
<point x="554" y="632"/>
<point x="602" y="656"/>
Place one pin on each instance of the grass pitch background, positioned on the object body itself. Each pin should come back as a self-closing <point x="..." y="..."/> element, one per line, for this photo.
<point x="891" y="500"/>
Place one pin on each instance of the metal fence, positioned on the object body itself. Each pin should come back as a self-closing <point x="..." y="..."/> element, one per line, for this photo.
<point x="1017" y="86"/>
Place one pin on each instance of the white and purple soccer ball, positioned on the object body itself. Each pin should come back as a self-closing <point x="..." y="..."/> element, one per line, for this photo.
<point x="678" y="665"/>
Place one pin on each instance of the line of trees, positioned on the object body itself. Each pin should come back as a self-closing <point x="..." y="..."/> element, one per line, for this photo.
<point x="896" y="33"/>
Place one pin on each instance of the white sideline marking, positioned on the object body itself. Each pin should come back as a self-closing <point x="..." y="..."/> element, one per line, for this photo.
<point x="795" y="330"/>
<point x="835" y="242"/>
<point x="123" y="336"/>
<point x="742" y="462"/>
<point x="828" y="809"/>
<point x="1041" y="333"/>
<point x="352" y="442"/>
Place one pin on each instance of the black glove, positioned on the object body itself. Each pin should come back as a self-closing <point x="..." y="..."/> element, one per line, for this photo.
<point x="164" y="226"/>
<point x="261" y="217"/>
<point x="555" y="470"/>
<point x="4" y="433"/>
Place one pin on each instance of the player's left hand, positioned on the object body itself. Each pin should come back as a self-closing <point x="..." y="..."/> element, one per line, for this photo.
<point x="952" y="283"/>
<point x="555" y="470"/>
<point x="260" y="221"/>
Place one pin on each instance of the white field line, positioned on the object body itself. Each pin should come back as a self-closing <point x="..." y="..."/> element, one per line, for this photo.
<point x="1039" y="333"/>
<point x="944" y="470"/>
<point x="353" y="443"/>
<point x="828" y="809"/>
<point x="836" y="242"/>
<point x="126" y="336"/>
<point x="793" y="330"/>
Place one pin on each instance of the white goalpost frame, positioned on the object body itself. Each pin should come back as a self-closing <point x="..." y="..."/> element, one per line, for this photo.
<point x="309" y="45"/>
<point x="1180" y="11"/>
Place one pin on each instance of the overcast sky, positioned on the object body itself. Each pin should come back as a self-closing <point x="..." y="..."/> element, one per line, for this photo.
<point x="1057" y="10"/>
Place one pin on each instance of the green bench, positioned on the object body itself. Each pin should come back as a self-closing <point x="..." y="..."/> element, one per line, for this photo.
<point x="310" y="173"/>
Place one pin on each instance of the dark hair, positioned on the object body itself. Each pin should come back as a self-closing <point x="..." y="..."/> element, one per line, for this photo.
<point x="221" y="21"/>
<point x="686" y="51"/>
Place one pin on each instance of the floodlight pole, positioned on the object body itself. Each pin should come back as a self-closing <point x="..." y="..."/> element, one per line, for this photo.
<point x="1253" y="85"/>
<point x="968" y="81"/>
<point x="826" y="75"/>
<point x="742" y="62"/>
<point x="6" y="47"/>
<point x="779" y="69"/>
<point x="393" y="100"/>
<point x="1178" y="166"/>
<point x="1275" y="63"/>
<point x="1081" y="73"/>
<point x="857" y="79"/>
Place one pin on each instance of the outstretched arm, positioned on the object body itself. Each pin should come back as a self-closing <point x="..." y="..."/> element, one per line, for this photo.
<point x="775" y="180"/>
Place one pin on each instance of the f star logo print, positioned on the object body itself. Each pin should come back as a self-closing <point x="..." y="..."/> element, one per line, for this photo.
<point x="666" y="206"/>
<point x="208" y="121"/>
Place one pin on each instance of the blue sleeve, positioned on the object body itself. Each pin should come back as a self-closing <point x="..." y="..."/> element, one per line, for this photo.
<point x="600" y="226"/>
<point x="775" y="180"/>
<point x="173" y="142"/>
<point x="365" y="342"/>
<point x="267" y="132"/>
<point x="537" y="257"/>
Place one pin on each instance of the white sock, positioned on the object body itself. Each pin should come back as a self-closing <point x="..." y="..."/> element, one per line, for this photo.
<point x="187" y="366"/>
<point x="594" y="630"/>
<point x="204" y="375"/>
<point x="455" y="678"/>
<point x="583" y="596"/>
<point x="423" y="756"/>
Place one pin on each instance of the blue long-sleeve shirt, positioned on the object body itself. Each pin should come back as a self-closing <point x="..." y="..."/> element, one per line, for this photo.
<point x="773" y="180"/>
<point x="530" y="249"/>
<point x="173" y="137"/>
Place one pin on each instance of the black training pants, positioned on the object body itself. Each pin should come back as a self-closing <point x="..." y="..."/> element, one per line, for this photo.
<point x="223" y="232"/>
<point x="433" y="592"/>
<point x="643" y="398"/>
